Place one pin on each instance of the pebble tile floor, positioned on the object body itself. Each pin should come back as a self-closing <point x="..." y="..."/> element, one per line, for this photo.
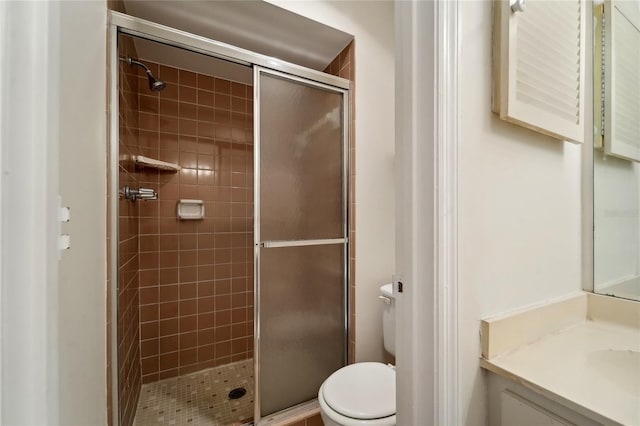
<point x="199" y="398"/>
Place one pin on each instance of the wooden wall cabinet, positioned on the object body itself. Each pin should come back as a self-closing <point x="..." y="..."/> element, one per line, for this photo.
<point x="539" y="66"/>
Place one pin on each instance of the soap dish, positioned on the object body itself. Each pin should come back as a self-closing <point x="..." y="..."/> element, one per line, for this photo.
<point x="190" y="209"/>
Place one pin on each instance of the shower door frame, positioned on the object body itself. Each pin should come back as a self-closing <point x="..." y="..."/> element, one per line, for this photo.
<point x="260" y="244"/>
<point x="133" y="26"/>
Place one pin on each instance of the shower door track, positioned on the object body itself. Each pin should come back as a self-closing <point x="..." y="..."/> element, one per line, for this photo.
<point x="173" y="37"/>
<point x="130" y="25"/>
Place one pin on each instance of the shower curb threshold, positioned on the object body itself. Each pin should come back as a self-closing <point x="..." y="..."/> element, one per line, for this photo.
<point x="291" y="415"/>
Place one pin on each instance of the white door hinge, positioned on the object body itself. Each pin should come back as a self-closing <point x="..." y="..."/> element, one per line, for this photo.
<point x="64" y="215"/>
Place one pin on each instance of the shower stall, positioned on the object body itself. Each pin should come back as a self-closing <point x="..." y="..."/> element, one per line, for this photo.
<point x="228" y="229"/>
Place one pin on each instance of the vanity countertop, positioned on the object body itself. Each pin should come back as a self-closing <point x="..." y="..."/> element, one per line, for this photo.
<point x="591" y="366"/>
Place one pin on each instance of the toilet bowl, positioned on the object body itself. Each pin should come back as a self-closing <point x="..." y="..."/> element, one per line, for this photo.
<point x="364" y="393"/>
<point x="361" y="394"/>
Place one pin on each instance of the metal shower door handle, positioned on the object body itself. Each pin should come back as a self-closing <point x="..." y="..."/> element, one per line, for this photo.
<point x="301" y="243"/>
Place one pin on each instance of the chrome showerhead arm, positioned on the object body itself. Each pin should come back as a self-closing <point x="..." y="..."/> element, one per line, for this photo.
<point x="132" y="61"/>
<point x="155" y="84"/>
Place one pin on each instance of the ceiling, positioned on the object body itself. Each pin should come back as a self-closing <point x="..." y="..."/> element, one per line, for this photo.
<point x="253" y="25"/>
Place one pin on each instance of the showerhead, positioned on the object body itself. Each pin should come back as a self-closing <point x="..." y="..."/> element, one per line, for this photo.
<point x="155" y="85"/>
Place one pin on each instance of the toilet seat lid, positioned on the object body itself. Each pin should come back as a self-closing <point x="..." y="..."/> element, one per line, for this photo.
<point x="365" y="390"/>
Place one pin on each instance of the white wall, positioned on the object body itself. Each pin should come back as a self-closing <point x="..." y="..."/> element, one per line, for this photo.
<point x="83" y="148"/>
<point x="29" y="48"/>
<point x="519" y="210"/>
<point x="371" y="23"/>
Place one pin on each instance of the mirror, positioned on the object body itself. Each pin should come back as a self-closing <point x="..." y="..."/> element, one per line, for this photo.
<point x="616" y="160"/>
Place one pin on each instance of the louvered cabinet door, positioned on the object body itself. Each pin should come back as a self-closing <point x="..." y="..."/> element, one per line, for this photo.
<point x="539" y="66"/>
<point x="621" y="27"/>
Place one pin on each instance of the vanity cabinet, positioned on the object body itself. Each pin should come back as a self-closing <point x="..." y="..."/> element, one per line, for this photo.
<point x="518" y="411"/>
<point x="569" y="362"/>
<point x="511" y="404"/>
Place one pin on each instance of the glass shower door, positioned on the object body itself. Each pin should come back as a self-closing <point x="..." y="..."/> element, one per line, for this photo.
<point x="301" y="238"/>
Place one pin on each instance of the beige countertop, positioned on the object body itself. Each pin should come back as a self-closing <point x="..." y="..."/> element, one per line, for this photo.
<point x="591" y="366"/>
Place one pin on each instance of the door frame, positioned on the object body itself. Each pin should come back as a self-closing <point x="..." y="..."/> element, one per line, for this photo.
<point x="130" y="25"/>
<point x="427" y="360"/>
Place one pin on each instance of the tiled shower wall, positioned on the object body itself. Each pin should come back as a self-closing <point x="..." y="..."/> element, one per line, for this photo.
<point x="128" y="262"/>
<point x="344" y="66"/>
<point x="196" y="277"/>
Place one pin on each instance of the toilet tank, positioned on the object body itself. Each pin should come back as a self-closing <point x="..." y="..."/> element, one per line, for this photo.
<point x="388" y="318"/>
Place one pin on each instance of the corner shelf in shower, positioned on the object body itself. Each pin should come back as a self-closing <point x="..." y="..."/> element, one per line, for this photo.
<point x="141" y="160"/>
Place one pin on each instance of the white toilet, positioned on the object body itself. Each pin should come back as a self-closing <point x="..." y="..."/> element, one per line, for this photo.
<point x="364" y="393"/>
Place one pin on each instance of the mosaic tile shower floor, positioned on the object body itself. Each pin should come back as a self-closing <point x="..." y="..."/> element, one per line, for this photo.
<point x="199" y="398"/>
